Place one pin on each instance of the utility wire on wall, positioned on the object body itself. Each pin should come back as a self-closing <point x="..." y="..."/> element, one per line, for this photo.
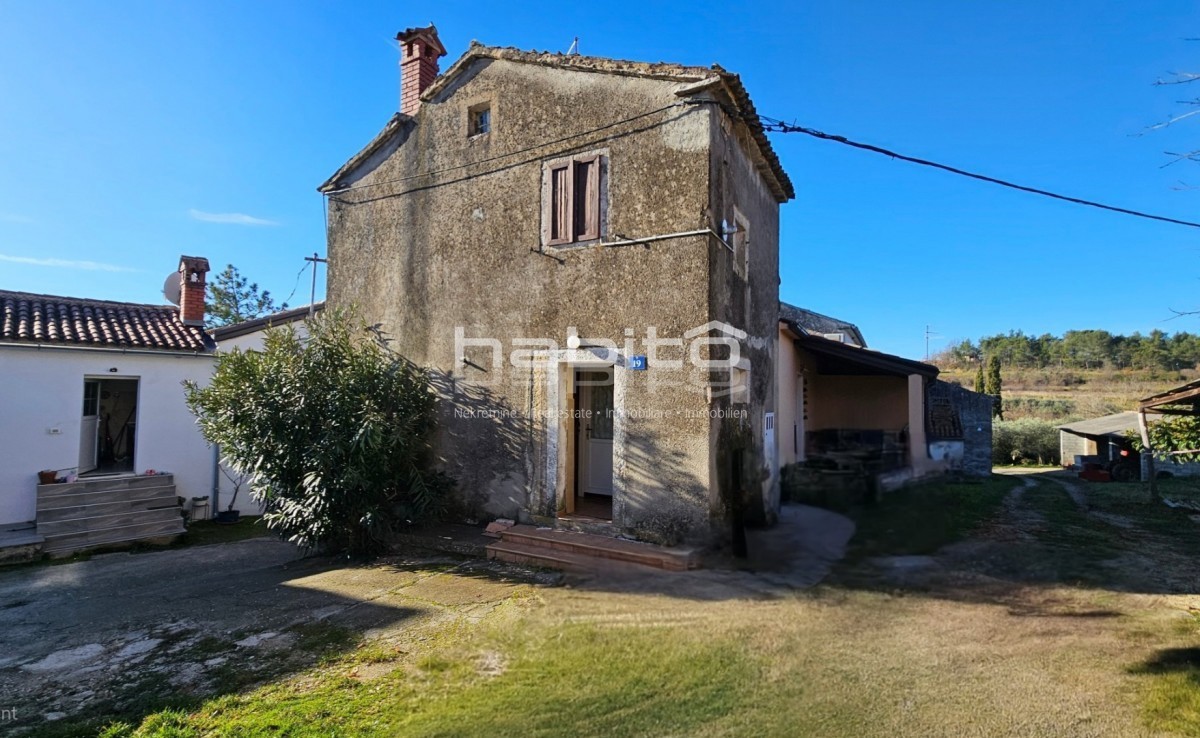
<point x="778" y="126"/>
<point x="770" y="125"/>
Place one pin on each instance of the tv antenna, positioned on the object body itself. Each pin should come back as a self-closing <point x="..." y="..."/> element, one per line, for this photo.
<point x="930" y="333"/>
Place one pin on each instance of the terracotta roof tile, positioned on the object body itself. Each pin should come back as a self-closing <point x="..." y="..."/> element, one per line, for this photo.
<point x="30" y="318"/>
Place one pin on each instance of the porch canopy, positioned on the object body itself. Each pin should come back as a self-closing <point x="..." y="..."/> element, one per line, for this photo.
<point x="1181" y="400"/>
<point x="840" y="359"/>
<point x="852" y="407"/>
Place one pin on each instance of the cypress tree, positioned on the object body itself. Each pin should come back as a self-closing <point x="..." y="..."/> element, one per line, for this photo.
<point x="993" y="387"/>
<point x="979" y="383"/>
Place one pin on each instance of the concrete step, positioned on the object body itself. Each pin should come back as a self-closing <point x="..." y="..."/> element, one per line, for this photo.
<point x="85" y="523"/>
<point x="601" y="547"/>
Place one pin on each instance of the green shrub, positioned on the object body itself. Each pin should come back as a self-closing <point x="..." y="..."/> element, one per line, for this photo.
<point x="333" y="429"/>
<point x="1024" y="441"/>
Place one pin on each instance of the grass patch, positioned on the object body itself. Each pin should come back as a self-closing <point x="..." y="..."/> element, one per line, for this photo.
<point x="570" y="680"/>
<point x="1074" y="543"/>
<point x="204" y="532"/>
<point x="922" y="518"/>
<point x="1170" y="690"/>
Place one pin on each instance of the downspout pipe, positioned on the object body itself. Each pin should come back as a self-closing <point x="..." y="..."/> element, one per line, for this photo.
<point x="216" y="481"/>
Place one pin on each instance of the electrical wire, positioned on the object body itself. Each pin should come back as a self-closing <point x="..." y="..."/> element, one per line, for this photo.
<point x="778" y="126"/>
<point x="296" y="286"/>
<point x="518" y="152"/>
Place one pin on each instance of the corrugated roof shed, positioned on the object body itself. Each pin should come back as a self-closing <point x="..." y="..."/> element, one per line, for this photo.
<point x="1109" y="425"/>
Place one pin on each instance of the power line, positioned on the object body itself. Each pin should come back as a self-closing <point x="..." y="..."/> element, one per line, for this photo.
<point x="297" y="285"/>
<point x="778" y="126"/>
<point x="509" y="154"/>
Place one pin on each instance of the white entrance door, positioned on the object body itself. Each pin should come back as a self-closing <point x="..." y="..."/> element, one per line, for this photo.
<point x="596" y="397"/>
<point x="89" y="427"/>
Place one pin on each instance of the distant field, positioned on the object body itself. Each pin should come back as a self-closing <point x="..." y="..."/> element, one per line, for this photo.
<point x="1064" y="395"/>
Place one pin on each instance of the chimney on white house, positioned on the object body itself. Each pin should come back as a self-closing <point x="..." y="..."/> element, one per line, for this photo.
<point x="192" y="271"/>
<point x="420" y="49"/>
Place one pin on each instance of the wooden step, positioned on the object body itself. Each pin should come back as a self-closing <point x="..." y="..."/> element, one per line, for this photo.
<point x="553" y="558"/>
<point x="105" y="484"/>
<point x="601" y="547"/>
<point x="104" y="507"/>
<point x="91" y="497"/>
<point x="546" y="558"/>
<point x="83" y="524"/>
<point x="118" y="534"/>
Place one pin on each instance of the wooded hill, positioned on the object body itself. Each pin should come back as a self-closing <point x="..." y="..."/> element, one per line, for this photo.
<point x="1082" y="374"/>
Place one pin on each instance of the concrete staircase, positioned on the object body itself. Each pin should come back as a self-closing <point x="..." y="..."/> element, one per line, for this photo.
<point x="585" y="552"/>
<point x="98" y="512"/>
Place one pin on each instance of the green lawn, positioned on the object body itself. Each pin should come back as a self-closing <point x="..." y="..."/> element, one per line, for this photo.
<point x="685" y="659"/>
<point x="922" y="518"/>
<point x="204" y="532"/>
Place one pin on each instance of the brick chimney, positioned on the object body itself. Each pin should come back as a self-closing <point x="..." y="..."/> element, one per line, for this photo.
<point x="420" y="49"/>
<point x="192" y="271"/>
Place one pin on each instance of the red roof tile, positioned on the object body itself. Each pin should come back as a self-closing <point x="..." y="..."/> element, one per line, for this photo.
<point x="29" y="318"/>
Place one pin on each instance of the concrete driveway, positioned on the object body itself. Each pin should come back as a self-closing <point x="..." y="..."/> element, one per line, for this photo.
<point x="93" y="637"/>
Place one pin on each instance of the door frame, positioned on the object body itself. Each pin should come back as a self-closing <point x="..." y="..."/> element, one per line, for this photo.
<point x="101" y="379"/>
<point x="83" y="417"/>
<point x="557" y="367"/>
<point x="582" y="440"/>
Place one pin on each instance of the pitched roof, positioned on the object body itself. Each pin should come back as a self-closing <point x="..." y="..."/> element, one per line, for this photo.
<point x="813" y="322"/>
<point x="1109" y="425"/>
<point x="27" y="318"/>
<point x="698" y="80"/>
<point x="283" y="317"/>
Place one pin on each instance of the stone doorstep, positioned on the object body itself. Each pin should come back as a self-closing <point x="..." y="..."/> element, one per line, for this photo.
<point x="552" y="558"/>
<point x="497" y="527"/>
<point x="601" y="547"/>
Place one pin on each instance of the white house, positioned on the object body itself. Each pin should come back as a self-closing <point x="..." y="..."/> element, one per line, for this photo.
<point x="94" y="389"/>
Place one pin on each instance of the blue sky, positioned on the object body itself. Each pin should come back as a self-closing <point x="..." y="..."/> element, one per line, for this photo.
<point x="133" y="132"/>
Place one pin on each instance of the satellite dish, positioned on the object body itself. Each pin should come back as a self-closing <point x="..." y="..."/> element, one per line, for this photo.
<point x="171" y="288"/>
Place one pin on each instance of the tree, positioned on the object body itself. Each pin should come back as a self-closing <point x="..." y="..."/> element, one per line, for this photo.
<point x="233" y="298"/>
<point x="993" y="386"/>
<point x="980" y="383"/>
<point x="333" y="430"/>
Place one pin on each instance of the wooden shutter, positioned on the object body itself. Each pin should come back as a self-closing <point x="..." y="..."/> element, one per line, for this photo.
<point x="561" y="199"/>
<point x="587" y="199"/>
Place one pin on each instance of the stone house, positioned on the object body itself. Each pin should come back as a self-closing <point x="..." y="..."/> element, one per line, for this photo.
<point x="584" y="253"/>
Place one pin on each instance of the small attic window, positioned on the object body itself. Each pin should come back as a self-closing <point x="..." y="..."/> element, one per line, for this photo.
<point x="479" y="119"/>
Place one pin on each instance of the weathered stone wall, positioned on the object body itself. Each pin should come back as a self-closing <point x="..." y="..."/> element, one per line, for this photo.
<point x="975" y="414"/>
<point x="746" y="296"/>
<point x="443" y="231"/>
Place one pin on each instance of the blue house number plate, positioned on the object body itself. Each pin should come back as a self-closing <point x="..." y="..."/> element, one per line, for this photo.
<point x="636" y="363"/>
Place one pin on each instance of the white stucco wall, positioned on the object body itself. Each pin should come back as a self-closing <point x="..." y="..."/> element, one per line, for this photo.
<point x="43" y="390"/>
<point x="249" y="342"/>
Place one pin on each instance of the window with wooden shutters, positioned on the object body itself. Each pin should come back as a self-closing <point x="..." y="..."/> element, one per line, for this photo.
<point x="573" y="200"/>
